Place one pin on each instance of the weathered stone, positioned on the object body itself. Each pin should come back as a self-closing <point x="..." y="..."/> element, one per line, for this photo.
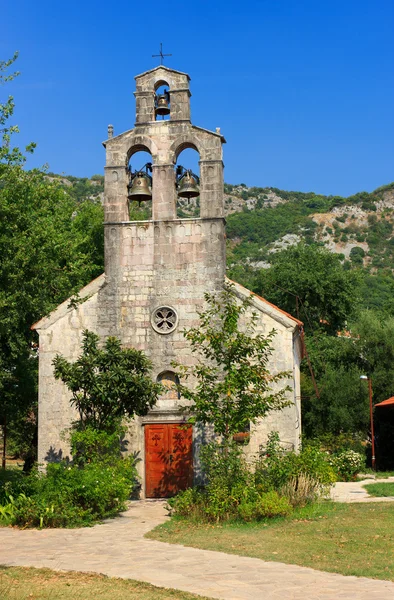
<point x="164" y="262"/>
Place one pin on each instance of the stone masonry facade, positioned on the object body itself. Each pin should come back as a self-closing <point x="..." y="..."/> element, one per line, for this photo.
<point x="166" y="262"/>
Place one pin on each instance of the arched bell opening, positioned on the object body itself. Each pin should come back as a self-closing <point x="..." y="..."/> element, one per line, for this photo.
<point x="162" y="101"/>
<point x="139" y="185"/>
<point x="187" y="181"/>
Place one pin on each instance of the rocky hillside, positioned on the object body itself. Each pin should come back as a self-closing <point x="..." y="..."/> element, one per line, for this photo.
<point x="266" y="220"/>
<point x="261" y="221"/>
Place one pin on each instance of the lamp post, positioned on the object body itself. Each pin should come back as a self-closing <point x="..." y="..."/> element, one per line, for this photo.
<point x="371" y="417"/>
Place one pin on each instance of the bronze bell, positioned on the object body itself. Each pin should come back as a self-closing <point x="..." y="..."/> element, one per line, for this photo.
<point x="188" y="186"/>
<point x="140" y="187"/>
<point x="162" y="104"/>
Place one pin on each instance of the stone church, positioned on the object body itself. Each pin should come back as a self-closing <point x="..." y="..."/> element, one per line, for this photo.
<point x="156" y="274"/>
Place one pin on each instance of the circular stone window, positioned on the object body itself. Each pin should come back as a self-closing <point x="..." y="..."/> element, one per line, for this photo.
<point x="164" y="319"/>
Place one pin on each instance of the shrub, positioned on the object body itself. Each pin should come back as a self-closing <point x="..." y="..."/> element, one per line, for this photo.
<point x="224" y="465"/>
<point x="286" y="472"/>
<point x="347" y="464"/>
<point x="230" y="492"/>
<point x="271" y="504"/>
<point x="267" y="505"/>
<point x="90" y="445"/>
<point x="68" y="495"/>
<point x="301" y="490"/>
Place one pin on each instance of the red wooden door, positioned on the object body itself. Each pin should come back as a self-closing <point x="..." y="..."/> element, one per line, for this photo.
<point x="168" y="459"/>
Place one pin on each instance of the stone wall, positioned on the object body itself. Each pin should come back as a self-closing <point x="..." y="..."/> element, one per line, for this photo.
<point x="61" y="333"/>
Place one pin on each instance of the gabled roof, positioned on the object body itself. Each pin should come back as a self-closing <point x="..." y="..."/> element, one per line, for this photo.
<point x="116" y="137"/>
<point x="165" y="69"/>
<point x="209" y="131"/>
<point x="258" y="302"/>
<point x="386" y="402"/>
<point x="89" y="290"/>
<point x="266" y="307"/>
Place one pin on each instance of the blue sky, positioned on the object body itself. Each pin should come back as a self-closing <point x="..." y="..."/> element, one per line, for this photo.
<point x="302" y="91"/>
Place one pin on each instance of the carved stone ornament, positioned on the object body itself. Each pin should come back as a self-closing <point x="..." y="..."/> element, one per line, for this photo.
<point x="164" y="319"/>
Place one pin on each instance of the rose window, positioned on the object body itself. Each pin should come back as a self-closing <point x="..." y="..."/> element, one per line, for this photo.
<point x="164" y="319"/>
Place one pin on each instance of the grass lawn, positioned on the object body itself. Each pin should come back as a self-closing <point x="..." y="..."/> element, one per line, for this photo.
<point x="352" y="539"/>
<point x="376" y="474"/>
<point x="380" y="489"/>
<point x="19" y="583"/>
<point x="384" y="474"/>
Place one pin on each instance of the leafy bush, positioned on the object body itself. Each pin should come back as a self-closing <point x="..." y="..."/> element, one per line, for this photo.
<point x="91" y="445"/>
<point x="230" y="492"/>
<point x="69" y="496"/>
<point x="347" y="464"/>
<point x="287" y="471"/>
<point x="95" y="486"/>
<point x="224" y="465"/>
<point x="337" y="443"/>
<point x="267" y="505"/>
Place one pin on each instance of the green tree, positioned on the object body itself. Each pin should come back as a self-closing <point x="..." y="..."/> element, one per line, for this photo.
<point x="234" y="385"/>
<point x="374" y="344"/>
<point x="50" y="247"/>
<point x="9" y="155"/>
<point x="107" y="384"/>
<point x="342" y="405"/>
<point x="310" y="283"/>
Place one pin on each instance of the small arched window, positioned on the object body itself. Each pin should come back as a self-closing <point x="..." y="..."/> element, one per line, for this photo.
<point x="170" y="383"/>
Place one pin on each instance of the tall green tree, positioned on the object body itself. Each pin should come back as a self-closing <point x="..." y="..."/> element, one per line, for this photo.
<point x="107" y="384"/>
<point x="310" y="283"/>
<point x="374" y="344"/>
<point x="234" y="386"/>
<point x="50" y="246"/>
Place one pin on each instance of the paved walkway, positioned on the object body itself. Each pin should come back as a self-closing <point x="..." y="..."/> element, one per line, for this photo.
<point x="117" y="548"/>
<point x="354" y="491"/>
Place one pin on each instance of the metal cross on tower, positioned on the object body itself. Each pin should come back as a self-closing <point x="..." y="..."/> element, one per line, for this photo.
<point x="161" y="54"/>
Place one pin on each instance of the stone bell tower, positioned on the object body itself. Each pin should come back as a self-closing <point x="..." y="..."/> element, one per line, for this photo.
<point x="167" y="262"/>
<point x="157" y="271"/>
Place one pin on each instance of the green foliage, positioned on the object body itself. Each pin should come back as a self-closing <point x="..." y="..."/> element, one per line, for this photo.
<point x="107" y="384"/>
<point x="90" y="445"/>
<point x="374" y="343"/>
<point x="332" y="443"/>
<point x="268" y="505"/>
<point x="68" y="496"/>
<point x="265" y="226"/>
<point x="8" y="155"/>
<point x="326" y="292"/>
<point x="347" y="464"/>
<point x="229" y="492"/>
<point x="342" y="406"/>
<point x="50" y="247"/>
<point x="235" y="491"/>
<point x="356" y="255"/>
<point x="139" y="213"/>
<point x="276" y="469"/>
<point x="95" y="485"/>
<point x="234" y="386"/>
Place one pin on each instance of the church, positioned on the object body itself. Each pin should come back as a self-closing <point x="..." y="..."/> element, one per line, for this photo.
<point x="156" y="274"/>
